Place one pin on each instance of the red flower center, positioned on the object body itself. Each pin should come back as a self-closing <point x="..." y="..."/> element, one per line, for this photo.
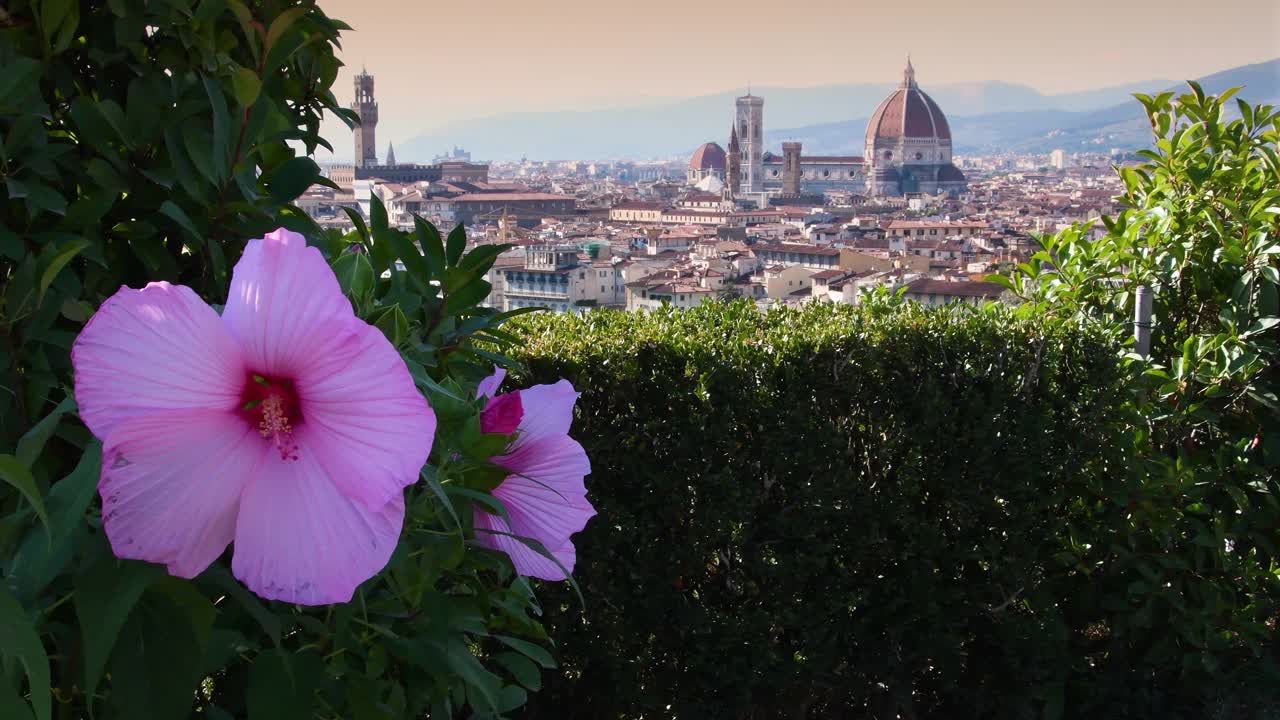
<point x="271" y="405"/>
<point x="502" y="414"/>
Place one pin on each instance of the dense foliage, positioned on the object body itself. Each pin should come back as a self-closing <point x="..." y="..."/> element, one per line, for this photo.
<point x="144" y="141"/>
<point x="1191" y="539"/>
<point x="830" y="512"/>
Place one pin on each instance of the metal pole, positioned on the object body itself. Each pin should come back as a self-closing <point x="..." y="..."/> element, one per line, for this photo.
<point x="1142" y="320"/>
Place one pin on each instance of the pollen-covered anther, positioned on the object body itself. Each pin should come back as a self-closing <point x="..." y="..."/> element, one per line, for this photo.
<point x="275" y="426"/>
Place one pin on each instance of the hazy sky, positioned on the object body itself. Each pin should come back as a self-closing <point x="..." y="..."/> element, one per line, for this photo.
<point x="439" y="61"/>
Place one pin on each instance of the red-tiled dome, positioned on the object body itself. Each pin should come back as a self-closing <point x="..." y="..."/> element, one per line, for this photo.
<point x="908" y="113"/>
<point x="708" y="157"/>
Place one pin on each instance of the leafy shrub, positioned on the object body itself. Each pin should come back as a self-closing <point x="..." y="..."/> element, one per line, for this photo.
<point x="830" y="512"/>
<point x="1191" y="535"/>
<point x="144" y="141"/>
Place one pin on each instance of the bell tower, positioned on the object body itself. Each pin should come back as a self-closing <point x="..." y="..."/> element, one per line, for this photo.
<point x="733" y="164"/>
<point x="366" y="148"/>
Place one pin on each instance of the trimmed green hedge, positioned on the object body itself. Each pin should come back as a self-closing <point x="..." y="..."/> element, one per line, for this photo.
<point x="837" y="512"/>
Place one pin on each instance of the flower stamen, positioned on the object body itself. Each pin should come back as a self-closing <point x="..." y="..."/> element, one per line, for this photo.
<point x="275" y="426"/>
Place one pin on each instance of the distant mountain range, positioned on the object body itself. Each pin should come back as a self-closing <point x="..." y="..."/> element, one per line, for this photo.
<point x="1120" y="124"/>
<point x="983" y="116"/>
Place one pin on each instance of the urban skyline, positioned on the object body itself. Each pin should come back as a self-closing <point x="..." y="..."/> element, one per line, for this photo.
<point x="577" y="56"/>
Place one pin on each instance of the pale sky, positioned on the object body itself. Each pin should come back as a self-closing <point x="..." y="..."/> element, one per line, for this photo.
<point x="439" y="61"/>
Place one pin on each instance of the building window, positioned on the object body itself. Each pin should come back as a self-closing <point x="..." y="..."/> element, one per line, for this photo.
<point x="919" y="156"/>
<point x="888" y="154"/>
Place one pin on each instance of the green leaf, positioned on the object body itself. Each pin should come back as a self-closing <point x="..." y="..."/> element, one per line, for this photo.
<point x="158" y="660"/>
<point x="282" y="23"/>
<point x="221" y="577"/>
<point x="482" y="258"/>
<point x="201" y="148"/>
<point x="106" y="593"/>
<point x="522" y="669"/>
<point x="246" y="86"/>
<point x="456" y="243"/>
<point x="18" y="475"/>
<point x="394" y="325"/>
<point x="467" y="296"/>
<point x="534" y="652"/>
<point x="32" y="443"/>
<point x="59" y="260"/>
<point x="170" y="210"/>
<point x="10" y="244"/>
<point x="358" y="222"/>
<point x="292" y="178"/>
<point x="13" y="707"/>
<point x="469" y="668"/>
<point x="53" y="15"/>
<point x="282" y="685"/>
<point x="40" y="559"/>
<point x="432" y="245"/>
<point x="355" y="276"/>
<point x="18" y="81"/>
<point x="245" y="18"/>
<point x="20" y="641"/>
<point x="38" y="196"/>
<point x="414" y="263"/>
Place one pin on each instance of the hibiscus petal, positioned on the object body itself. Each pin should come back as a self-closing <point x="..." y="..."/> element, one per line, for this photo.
<point x="300" y="540"/>
<point x="171" y="486"/>
<point x="502" y="415"/>
<point x="488" y="387"/>
<point x="548" y="410"/>
<point x="160" y="348"/>
<point x="285" y="306"/>
<point x="365" y="420"/>
<point x="546" y="501"/>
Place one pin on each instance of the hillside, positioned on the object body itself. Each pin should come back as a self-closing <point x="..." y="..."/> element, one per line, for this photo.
<point x="984" y="116"/>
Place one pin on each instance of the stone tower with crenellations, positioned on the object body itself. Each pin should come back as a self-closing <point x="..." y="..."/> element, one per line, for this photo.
<point x="366" y="148"/>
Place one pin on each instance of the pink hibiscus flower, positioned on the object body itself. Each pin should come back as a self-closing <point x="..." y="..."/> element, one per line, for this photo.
<point x="544" y="496"/>
<point x="287" y="425"/>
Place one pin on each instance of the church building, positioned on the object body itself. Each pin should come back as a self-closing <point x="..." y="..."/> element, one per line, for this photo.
<point x="908" y="145"/>
<point x="907" y="150"/>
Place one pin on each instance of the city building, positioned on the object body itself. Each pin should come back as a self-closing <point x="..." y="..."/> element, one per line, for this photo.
<point x="1058" y="159"/>
<point x="529" y="208"/>
<point x="555" y="277"/>
<point x="815" y="174"/>
<point x="941" y="292"/>
<point x="457" y="154"/>
<point x="708" y="161"/>
<point x="750" y="135"/>
<point x="457" y="168"/>
<point x="908" y="145"/>
<point x="364" y="133"/>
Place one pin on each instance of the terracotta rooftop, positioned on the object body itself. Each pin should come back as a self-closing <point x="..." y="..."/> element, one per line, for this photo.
<point x="958" y="289"/>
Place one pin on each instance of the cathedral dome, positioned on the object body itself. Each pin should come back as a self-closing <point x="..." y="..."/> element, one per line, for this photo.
<point x="908" y="114"/>
<point x="708" y="157"/>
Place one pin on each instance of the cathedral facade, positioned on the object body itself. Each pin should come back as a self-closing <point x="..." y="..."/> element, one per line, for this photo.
<point x="907" y="149"/>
